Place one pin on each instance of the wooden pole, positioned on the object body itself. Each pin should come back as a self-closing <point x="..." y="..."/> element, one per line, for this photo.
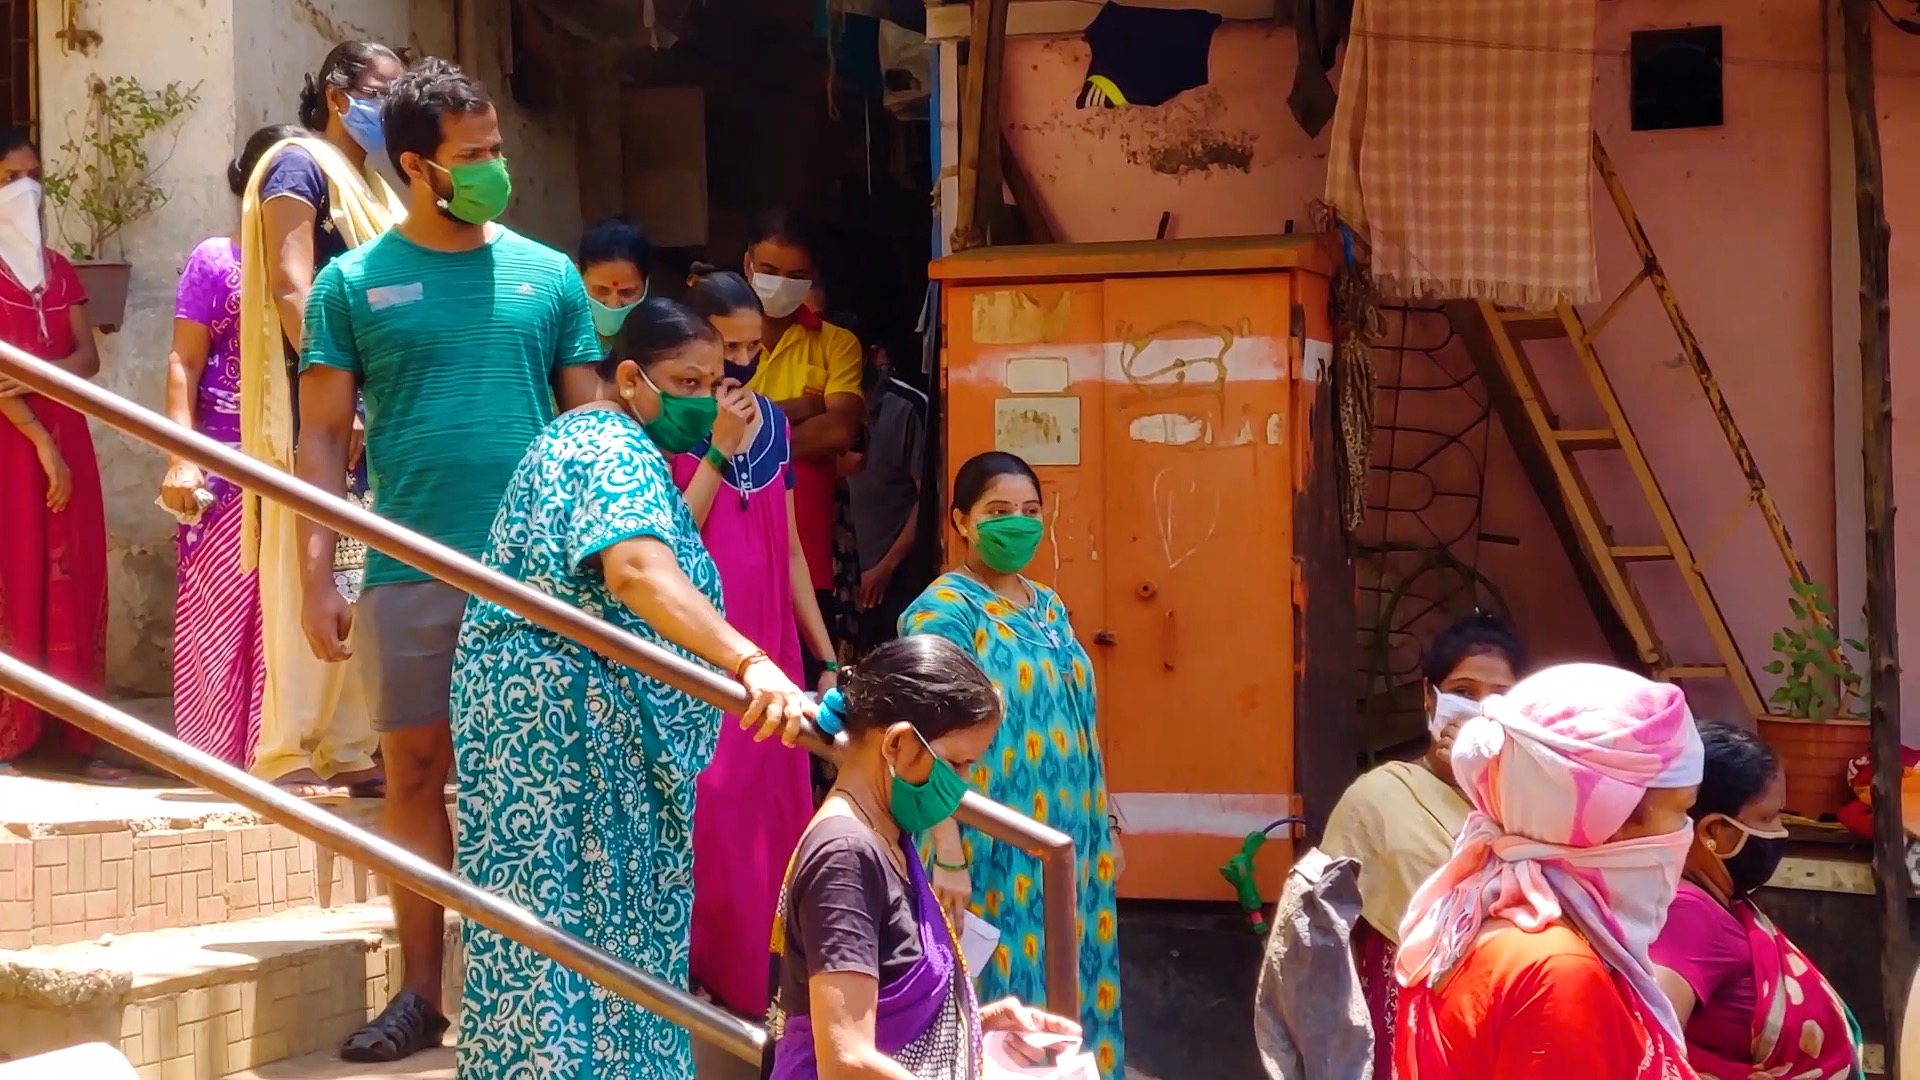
<point x="1889" y="833"/>
<point x="979" y="164"/>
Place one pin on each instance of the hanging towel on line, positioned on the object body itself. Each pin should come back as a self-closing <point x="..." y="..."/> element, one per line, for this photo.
<point x="1462" y="148"/>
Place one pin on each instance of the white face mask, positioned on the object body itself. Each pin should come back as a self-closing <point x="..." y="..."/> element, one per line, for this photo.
<point x="781" y="296"/>
<point x="21" y="243"/>
<point x="1448" y="710"/>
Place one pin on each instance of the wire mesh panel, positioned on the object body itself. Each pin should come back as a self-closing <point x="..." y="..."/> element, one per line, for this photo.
<point x="1420" y="545"/>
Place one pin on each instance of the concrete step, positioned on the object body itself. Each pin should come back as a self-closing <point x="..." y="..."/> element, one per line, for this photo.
<point x="210" y="1001"/>
<point x="432" y="1065"/>
<point x="94" y="1061"/>
<point x="79" y="861"/>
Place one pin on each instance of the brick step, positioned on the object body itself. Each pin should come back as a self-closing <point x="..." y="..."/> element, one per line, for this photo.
<point x="79" y="861"/>
<point x="210" y="1001"/>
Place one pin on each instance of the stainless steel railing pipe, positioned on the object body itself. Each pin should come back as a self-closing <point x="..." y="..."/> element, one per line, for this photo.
<point x="1051" y="847"/>
<point x="704" y="1021"/>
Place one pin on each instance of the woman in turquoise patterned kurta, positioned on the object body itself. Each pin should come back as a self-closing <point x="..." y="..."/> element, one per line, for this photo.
<point x="577" y="774"/>
<point x="1045" y="761"/>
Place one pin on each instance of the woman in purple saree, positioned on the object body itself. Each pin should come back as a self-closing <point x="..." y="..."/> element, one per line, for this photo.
<point x="868" y="976"/>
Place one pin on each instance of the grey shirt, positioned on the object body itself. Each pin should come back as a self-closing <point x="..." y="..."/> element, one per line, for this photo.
<point x="885" y="493"/>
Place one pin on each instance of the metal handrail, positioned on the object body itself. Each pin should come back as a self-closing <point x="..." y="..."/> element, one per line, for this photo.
<point x="1051" y="847"/>
<point x="716" y="1025"/>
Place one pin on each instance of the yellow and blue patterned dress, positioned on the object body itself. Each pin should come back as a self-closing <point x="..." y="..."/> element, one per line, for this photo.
<point x="577" y="774"/>
<point x="1045" y="762"/>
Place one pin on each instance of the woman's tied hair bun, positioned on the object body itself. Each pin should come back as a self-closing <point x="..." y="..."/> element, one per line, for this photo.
<point x="924" y="680"/>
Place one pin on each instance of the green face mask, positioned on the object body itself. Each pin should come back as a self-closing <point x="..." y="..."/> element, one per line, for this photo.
<point x="607" y="321"/>
<point x="919" y="807"/>
<point x="1007" y="543"/>
<point x="481" y="190"/>
<point x="683" y="421"/>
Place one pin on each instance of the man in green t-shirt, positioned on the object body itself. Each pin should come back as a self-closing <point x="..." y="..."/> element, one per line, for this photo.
<point x="461" y="335"/>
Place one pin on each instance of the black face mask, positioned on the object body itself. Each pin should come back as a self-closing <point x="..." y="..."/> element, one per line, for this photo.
<point x="742" y="373"/>
<point x="1753" y="865"/>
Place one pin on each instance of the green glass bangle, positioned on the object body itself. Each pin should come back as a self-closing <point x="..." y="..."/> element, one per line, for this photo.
<point x="938" y="865"/>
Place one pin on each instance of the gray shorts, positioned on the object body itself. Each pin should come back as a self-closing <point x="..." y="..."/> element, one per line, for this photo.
<point x="404" y="636"/>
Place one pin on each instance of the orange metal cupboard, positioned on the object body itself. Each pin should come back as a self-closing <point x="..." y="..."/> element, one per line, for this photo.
<point x="1174" y="398"/>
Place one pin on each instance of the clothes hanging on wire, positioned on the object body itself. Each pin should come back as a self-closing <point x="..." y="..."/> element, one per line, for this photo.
<point x="1319" y="26"/>
<point x="1146" y="56"/>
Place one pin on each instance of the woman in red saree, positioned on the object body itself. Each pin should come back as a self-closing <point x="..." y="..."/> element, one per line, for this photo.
<point x="53" y="565"/>
<point x="1525" y="956"/>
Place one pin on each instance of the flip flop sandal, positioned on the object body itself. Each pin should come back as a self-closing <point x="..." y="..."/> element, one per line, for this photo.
<point x="367" y="789"/>
<point x="101" y="772"/>
<point x="405" y="1027"/>
<point x="306" y="790"/>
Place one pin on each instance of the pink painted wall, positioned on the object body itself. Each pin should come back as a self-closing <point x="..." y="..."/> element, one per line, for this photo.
<point x="1737" y="213"/>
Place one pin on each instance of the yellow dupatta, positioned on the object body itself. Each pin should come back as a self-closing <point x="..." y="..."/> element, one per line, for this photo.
<point x="313" y="714"/>
<point x="364" y="206"/>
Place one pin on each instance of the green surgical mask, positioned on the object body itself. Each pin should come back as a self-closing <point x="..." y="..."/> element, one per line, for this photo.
<point x="607" y="321"/>
<point x="1007" y="543"/>
<point x="919" y="807"/>
<point x="683" y="421"/>
<point x="481" y="190"/>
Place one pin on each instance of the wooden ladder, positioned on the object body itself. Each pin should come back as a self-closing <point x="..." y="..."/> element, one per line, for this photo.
<point x="1561" y="449"/>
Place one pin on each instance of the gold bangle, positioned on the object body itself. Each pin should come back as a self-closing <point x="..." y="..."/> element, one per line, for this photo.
<point x="747" y="661"/>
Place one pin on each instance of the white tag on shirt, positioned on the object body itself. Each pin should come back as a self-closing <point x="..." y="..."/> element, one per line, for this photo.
<point x="393" y="296"/>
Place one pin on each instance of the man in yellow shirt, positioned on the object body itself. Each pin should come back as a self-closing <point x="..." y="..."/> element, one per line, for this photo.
<point x="811" y="369"/>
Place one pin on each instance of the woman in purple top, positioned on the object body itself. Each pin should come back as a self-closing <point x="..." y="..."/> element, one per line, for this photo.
<point x="868" y="976"/>
<point x="219" y="672"/>
<point x="1750" y="1001"/>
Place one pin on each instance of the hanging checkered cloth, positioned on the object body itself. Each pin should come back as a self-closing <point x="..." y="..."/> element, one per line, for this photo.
<point x="1460" y="147"/>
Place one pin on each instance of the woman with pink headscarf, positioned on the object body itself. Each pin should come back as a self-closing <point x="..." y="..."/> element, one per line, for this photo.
<point x="1526" y="954"/>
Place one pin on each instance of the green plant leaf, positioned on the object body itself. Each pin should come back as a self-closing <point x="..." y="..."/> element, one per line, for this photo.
<point x="1775" y="668"/>
<point x="1799" y="612"/>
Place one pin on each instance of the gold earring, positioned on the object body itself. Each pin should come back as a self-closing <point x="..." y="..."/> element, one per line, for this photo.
<point x="1713" y="845"/>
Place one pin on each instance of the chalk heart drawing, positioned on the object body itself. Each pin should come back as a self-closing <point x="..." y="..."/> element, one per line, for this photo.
<point x="1183" y="532"/>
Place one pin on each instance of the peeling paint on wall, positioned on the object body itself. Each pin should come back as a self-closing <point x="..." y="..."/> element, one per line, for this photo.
<point x="1201" y="151"/>
<point x="1169" y="429"/>
<point x="1012" y="317"/>
<point x="1044" y="431"/>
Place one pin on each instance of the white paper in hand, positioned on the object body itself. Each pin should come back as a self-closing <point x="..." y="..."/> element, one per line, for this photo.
<point x="978" y="939"/>
<point x="1068" y="1064"/>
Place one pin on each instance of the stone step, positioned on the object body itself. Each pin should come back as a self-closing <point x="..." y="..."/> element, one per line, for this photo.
<point x="79" y="861"/>
<point x="432" y="1065"/>
<point x="210" y="1001"/>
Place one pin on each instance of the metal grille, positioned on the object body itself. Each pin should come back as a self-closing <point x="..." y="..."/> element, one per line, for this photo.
<point x="16" y="68"/>
<point x="1420" y="544"/>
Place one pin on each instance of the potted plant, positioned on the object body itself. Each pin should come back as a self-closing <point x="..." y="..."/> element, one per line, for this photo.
<point x="105" y="181"/>
<point x="1819" y="725"/>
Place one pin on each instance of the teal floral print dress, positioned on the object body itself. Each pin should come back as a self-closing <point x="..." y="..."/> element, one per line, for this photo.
<point x="1045" y="763"/>
<point x="577" y="775"/>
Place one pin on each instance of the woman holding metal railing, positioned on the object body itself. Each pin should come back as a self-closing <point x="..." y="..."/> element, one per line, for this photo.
<point x="576" y="776"/>
<point x="870" y="976"/>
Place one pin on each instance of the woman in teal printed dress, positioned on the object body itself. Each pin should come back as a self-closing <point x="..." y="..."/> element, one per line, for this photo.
<point x="1045" y="761"/>
<point x="576" y="774"/>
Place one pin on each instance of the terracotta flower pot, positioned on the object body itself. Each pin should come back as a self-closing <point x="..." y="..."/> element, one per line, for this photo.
<point x="106" y="285"/>
<point x="1815" y="754"/>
